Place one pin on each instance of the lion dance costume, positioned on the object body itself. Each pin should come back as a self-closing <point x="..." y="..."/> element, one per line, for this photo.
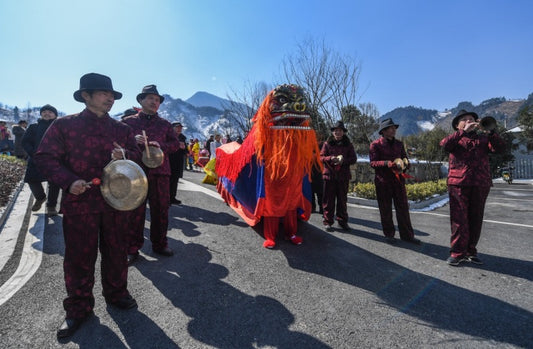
<point x="268" y="177"/>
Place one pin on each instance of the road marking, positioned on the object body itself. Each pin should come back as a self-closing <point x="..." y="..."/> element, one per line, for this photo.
<point x="190" y="186"/>
<point x="11" y="230"/>
<point x="32" y="255"/>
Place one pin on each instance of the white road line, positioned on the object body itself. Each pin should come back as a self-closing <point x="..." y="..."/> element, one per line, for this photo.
<point x="190" y="186"/>
<point x="32" y="255"/>
<point x="11" y="230"/>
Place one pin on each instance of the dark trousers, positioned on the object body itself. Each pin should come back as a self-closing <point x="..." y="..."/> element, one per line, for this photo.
<point x="390" y="192"/>
<point x="335" y="191"/>
<point x="159" y="200"/>
<point x="467" y="205"/>
<point x="38" y="192"/>
<point x="84" y="234"/>
<point x="317" y="186"/>
<point x="174" y="180"/>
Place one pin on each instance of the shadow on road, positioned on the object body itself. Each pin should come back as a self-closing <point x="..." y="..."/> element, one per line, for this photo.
<point x="221" y="315"/>
<point x="429" y="299"/>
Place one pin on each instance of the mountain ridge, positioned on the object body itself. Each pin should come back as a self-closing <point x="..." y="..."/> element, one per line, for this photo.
<point x="203" y="114"/>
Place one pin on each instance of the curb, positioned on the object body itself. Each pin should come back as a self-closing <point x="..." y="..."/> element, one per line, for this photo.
<point x="7" y="209"/>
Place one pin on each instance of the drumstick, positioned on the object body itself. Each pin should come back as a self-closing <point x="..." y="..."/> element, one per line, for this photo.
<point x="146" y="145"/>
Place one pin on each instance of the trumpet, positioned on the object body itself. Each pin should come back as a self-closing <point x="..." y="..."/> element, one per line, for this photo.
<point x="487" y="123"/>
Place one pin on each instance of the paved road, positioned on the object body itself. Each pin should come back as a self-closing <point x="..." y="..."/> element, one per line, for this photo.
<point x="222" y="289"/>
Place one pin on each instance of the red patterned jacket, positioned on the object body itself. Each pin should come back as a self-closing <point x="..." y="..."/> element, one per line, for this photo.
<point x="159" y="130"/>
<point x="469" y="157"/>
<point x="381" y="151"/>
<point x="79" y="147"/>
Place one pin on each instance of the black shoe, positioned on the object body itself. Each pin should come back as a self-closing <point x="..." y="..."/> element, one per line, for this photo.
<point x="344" y="225"/>
<point x="51" y="211"/>
<point x="474" y="259"/>
<point x="413" y="241"/>
<point x="390" y="240"/>
<point x="132" y="257"/>
<point x="329" y="228"/>
<point x="127" y="302"/>
<point x="454" y="261"/>
<point x="37" y="204"/>
<point x="164" y="251"/>
<point x="175" y="201"/>
<point x="69" y="326"/>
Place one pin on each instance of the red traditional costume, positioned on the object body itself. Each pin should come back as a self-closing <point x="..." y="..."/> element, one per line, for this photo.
<point x="268" y="176"/>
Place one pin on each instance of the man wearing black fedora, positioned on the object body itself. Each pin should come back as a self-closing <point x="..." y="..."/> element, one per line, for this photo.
<point x="74" y="150"/>
<point x="469" y="182"/>
<point x="159" y="133"/>
<point x="337" y="154"/>
<point x="390" y="182"/>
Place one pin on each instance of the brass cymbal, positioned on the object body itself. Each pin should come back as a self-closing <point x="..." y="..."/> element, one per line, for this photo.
<point x="154" y="158"/>
<point x="124" y="185"/>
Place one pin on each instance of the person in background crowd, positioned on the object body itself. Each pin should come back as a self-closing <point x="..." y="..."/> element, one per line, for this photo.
<point x="317" y="185"/>
<point x="74" y="150"/>
<point x="196" y="152"/>
<point x="390" y="183"/>
<point x="469" y="182"/>
<point x="337" y="154"/>
<point x="208" y="144"/>
<point x="177" y="161"/>
<point x="19" y="130"/>
<point x="30" y="142"/>
<point x="190" y="155"/>
<point x="213" y="146"/>
<point x="159" y="133"/>
<point x="5" y="146"/>
<point x="128" y="112"/>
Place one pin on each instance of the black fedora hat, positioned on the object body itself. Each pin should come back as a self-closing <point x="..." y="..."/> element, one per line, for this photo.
<point x="128" y="112"/>
<point x="176" y="124"/>
<point x="149" y="90"/>
<point x="339" y="124"/>
<point x="460" y="114"/>
<point x="387" y="123"/>
<point x="95" y="82"/>
<point x="48" y="107"/>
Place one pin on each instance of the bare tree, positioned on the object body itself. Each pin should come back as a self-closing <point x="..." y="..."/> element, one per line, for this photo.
<point x="244" y="104"/>
<point x="361" y="124"/>
<point x="330" y="80"/>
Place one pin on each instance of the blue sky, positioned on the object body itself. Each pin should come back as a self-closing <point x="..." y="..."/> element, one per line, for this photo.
<point x="425" y="53"/>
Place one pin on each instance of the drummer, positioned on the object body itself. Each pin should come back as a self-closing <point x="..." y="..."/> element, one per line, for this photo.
<point x="159" y="134"/>
<point x="390" y="183"/>
<point x="74" y="150"/>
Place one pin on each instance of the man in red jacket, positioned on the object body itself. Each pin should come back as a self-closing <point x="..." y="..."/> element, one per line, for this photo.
<point x="390" y="184"/>
<point x="74" y="150"/>
<point x="469" y="182"/>
<point x="337" y="154"/>
<point x="159" y="133"/>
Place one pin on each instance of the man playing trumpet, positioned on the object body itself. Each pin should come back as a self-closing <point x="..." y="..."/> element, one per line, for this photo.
<point x="469" y="182"/>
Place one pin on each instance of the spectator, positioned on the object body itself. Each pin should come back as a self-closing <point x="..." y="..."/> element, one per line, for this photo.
<point x="337" y="154"/>
<point x="18" y="131"/>
<point x="30" y="142"/>
<point x="177" y="161"/>
<point x="213" y="146"/>
<point x="74" y="150"/>
<point x="5" y="146"/>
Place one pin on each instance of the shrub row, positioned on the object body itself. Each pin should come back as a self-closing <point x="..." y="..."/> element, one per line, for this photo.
<point x="415" y="192"/>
